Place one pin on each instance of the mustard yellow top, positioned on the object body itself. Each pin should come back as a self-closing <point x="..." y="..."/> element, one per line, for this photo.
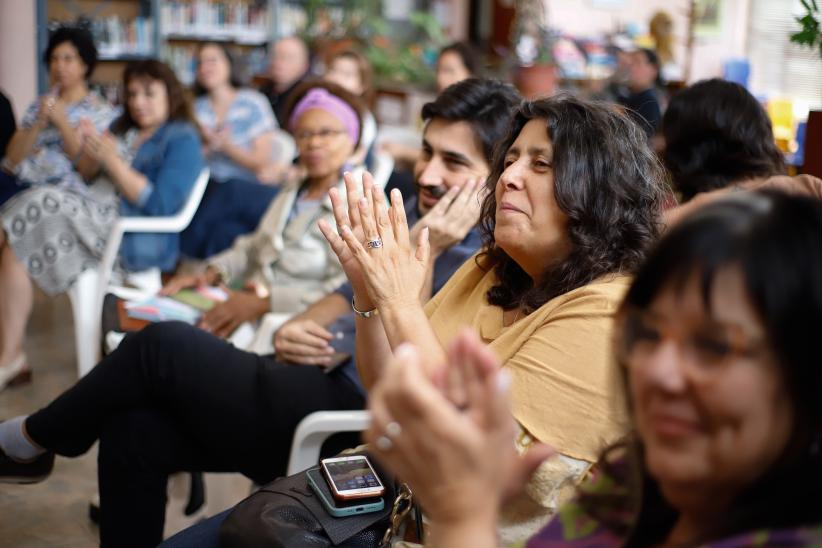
<point x="565" y="386"/>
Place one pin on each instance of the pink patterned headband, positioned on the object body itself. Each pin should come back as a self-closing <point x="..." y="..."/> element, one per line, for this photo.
<point x="321" y="98"/>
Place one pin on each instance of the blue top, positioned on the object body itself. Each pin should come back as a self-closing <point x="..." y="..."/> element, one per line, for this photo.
<point x="248" y="116"/>
<point x="445" y="265"/>
<point x="171" y="160"/>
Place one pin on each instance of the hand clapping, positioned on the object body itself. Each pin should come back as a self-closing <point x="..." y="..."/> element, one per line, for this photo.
<point x="459" y="459"/>
<point x="101" y="147"/>
<point x="373" y="245"/>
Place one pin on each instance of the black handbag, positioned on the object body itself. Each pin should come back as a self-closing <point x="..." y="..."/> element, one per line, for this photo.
<point x="287" y="514"/>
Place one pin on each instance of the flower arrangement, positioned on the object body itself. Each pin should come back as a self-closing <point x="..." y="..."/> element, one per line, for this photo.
<point x="531" y="39"/>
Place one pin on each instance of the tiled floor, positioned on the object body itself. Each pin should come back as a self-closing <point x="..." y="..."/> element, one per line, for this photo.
<point x="55" y="513"/>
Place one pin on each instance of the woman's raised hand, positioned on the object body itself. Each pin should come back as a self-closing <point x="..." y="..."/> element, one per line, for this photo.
<point x="100" y="146"/>
<point x="460" y="460"/>
<point x="347" y="214"/>
<point x="373" y="245"/>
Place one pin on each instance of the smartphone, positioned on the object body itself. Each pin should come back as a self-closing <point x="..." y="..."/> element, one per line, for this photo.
<point x="351" y="477"/>
<point x="339" y="508"/>
<point x="338" y="359"/>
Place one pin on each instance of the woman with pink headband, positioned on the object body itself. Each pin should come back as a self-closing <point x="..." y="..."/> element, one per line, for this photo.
<point x="286" y="261"/>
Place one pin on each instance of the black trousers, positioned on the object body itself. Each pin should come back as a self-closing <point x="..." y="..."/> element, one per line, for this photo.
<point x="174" y="398"/>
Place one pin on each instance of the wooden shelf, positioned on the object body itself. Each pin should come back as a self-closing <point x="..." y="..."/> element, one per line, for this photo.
<point x="124" y="57"/>
<point x="253" y="37"/>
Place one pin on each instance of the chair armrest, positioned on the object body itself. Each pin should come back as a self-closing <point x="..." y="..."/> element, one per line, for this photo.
<point x="314" y="429"/>
<point x="171" y="223"/>
<point x="153" y="224"/>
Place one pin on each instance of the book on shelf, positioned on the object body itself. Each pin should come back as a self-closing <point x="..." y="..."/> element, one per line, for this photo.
<point x="237" y="21"/>
<point x="116" y="37"/>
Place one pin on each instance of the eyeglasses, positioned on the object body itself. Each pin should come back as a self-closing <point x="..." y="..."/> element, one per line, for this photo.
<point x="324" y="134"/>
<point x="708" y="348"/>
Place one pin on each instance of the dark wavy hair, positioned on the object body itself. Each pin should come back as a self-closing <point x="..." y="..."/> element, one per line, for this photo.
<point x="179" y="102"/>
<point x="608" y="183"/>
<point x="776" y="242"/>
<point x="466" y="53"/>
<point x="716" y="133"/>
<point x="485" y="104"/>
<point x="78" y="37"/>
<point x="233" y="74"/>
<point x="338" y="91"/>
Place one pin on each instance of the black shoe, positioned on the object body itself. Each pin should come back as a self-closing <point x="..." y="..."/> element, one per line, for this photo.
<point x="12" y="471"/>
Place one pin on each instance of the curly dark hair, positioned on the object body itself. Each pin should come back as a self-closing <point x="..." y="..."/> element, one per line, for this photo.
<point x="608" y="183"/>
<point x="78" y="37"/>
<point x="484" y="103"/>
<point x="717" y="133"/>
<point x="179" y="102"/>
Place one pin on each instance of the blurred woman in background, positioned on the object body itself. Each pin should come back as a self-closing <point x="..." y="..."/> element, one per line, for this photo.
<point x="238" y="126"/>
<point x="45" y="148"/>
<point x="350" y="70"/>
<point x="50" y="234"/>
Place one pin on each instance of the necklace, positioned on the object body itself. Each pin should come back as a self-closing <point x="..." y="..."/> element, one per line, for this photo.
<point x="516" y="317"/>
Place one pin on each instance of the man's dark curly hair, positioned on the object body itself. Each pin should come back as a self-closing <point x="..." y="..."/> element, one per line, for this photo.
<point x="717" y="133"/>
<point x="608" y="183"/>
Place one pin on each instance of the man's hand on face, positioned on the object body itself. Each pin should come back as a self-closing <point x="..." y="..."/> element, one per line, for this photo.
<point x="453" y="217"/>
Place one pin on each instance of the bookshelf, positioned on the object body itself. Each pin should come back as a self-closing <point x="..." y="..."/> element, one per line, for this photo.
<point x="123" y="30"/>
<point x="172" y="30"/>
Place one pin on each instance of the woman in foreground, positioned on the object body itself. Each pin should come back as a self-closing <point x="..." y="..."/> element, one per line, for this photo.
<point x="716" y="343"/>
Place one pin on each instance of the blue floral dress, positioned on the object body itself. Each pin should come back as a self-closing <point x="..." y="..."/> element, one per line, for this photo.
<point x="48" y="163"/>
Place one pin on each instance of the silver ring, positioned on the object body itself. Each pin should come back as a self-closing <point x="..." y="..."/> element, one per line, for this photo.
<point x="374" y="244"/>
<point x="393" y="429"/>
<point x="383" y="443"/>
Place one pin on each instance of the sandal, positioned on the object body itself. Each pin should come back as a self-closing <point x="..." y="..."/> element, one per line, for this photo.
<point x="15" y="373"/>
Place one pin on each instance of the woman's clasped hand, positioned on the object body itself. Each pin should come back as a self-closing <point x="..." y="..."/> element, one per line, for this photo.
<point x="372" y="242"/>
<point x="458" y="458"/>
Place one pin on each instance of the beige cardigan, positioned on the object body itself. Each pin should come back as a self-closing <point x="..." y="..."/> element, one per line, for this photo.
<point x="291" y="259"/>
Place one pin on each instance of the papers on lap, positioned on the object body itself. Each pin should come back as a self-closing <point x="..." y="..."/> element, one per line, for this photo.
<point x="201" y="298"/>
<point x="186" y="306"/>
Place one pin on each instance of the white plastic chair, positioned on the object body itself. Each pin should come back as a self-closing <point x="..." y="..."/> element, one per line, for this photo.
<point x="88" y="291"/>
<point x="403" y="135"/>
<point x="382" y="168"/>
<point x="317" y="427"/>
<point x="283" y="148"/>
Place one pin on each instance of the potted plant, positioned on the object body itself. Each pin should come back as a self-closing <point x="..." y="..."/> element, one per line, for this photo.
<point x="810" y="35"/>
<point x="535" y="73"/>
<point x="811" y="32"/>
<point x="399" y="52"/>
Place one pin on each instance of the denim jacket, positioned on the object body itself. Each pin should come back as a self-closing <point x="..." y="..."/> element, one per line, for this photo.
<point x="170" y="159"/>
